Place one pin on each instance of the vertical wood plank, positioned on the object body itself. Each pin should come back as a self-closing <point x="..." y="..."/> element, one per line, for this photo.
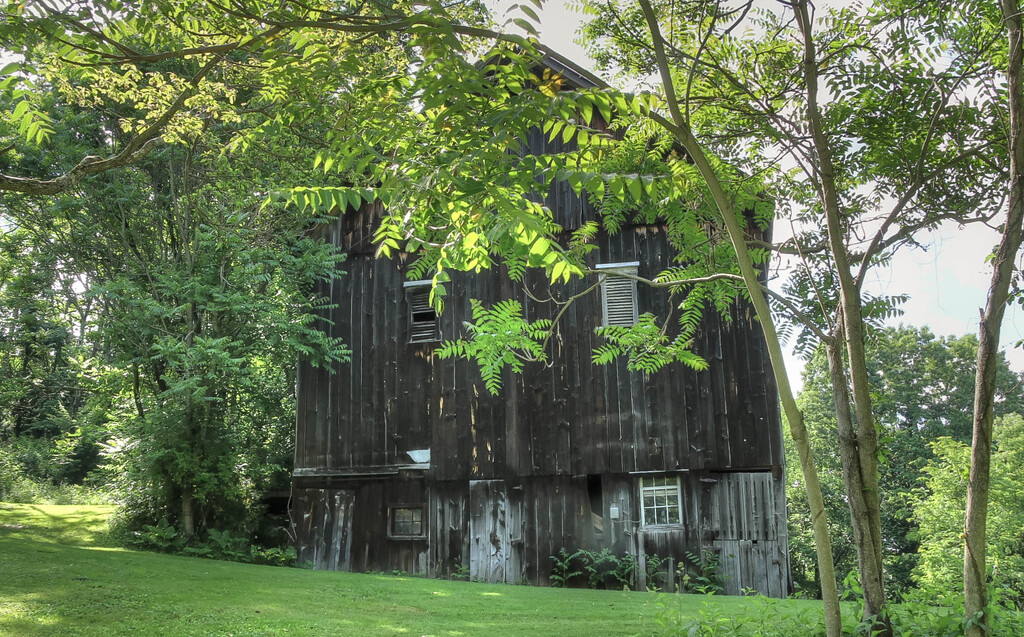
<point x="488" y="524"/>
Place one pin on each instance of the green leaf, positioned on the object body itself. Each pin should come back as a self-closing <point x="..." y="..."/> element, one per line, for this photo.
<point x="21" y="109"/>
<point x="635" y="187"/>
<point x="587" y="110"/>
<point x="617" y="188"/>
<point x="558" y="270"/>
<point x="530" y="13"/>
<point x="526" y="26"/>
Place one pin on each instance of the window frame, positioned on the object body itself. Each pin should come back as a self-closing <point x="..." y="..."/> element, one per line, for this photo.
<point x="670" y="481"/>
<point x="394" y="508"/>
<point x="612" y="287"/>
<point x="417" y="328"/>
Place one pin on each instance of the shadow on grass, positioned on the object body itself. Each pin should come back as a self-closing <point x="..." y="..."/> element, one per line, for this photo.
<point x="52" y="589"/>
<point x="70" y="525"/>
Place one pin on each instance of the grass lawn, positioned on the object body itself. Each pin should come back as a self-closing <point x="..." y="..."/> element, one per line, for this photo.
<point x="60" y="576"/>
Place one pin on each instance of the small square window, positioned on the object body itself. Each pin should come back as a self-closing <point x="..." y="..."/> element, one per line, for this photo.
<point x="618" y="294"/>
<point x="661" y="500"/>
<point x="423" y="324"/>
<point x="406" y="522"/>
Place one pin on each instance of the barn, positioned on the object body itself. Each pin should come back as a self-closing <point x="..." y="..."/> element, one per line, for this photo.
<point x="404" y="462"/>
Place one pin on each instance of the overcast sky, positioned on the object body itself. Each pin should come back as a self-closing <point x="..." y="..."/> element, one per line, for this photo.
<point x="947" y="281"/>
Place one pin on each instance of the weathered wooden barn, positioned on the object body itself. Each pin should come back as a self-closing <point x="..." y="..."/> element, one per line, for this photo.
<point x="405" y="462"/>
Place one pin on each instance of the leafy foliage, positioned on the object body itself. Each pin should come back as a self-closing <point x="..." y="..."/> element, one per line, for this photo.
<point x="287" y="87"/>
<point x="216" y="545"/>
<point x="748" y="83"/>
<point x="603" y="569"/>
<point x="702" y="574"/>
<point x="939" y="510"/>
<point x="499" y="337"/>
<point x="178" y="301"/>
<point x="562" y="569"/>
<point x="647" y="346"/>
<point x="422" y="79"/>
<point x="924" y="392"/>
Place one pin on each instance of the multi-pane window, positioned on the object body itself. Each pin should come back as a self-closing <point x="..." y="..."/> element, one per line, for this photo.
<point x="618" y="294"/>
<point x="406" y="522"/>
<point x="661" y="500"/>
<point x="423" y="327"/>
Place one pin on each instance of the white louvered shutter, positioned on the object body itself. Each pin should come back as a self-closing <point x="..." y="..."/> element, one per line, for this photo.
<point x="618" y="295"/>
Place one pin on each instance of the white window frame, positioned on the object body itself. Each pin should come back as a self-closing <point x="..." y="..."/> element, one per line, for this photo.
<point x="618" y="294"/>
<point x="418" y="329"/>
<point x="670" y="490"/>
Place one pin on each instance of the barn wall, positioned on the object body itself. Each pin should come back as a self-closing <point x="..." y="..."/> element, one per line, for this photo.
<point x="507" y="530"/>
<point x="342" y="524"/>
<point x="569" y="418"/>
<point x="516" y="477"/>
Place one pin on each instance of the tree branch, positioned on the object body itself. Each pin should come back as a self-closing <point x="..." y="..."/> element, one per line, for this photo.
<point x="722" y="276"/>
<point x="136" y="149"/>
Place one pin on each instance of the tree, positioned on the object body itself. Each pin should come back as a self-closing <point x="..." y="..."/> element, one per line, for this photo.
<point x="41" y="388"/>
<point x="431" y="204"/>
<point x="35" y="337"/>
<point x="206" y="294"/>
<point x="126" y="52"/>
<point x="924" y="391"/>
<point x="747" y="84"/>
<point x="1003" y="265"/>
<point x="743" y="97"/>
<point x="940" y="507"/>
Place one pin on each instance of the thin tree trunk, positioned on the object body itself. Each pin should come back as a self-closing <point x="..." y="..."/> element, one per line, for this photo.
<point x="822" y="543"/>
<point x="137" y="390"/>
<point x="975" y="599"/>
<point x="869" y="546"/>
<point x="188" y="518"/>
<point x="853" y="480"/>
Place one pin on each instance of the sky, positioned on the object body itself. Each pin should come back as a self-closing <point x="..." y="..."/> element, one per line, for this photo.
<point x="947" y="279"/>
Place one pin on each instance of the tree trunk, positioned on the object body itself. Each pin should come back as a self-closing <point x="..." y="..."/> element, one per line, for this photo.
<point x="680" y="129"/>
<point x="822" y="543"/>
<point x="975" y="601"/>
<point x="188" y="516"/>
<point x="869" y="546"/>
<point x="853" y="481"/>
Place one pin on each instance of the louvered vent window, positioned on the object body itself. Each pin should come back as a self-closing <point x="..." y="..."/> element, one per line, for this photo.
<point x="423" y="327"/>
<point x="618" y="294"/>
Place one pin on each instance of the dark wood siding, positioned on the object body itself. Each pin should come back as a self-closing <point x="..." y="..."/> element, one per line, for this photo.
<point x="567" y="418"/>
<point x="343" y="525"/>
<point x="506" y="530"/>
<point x="514" y="478"/>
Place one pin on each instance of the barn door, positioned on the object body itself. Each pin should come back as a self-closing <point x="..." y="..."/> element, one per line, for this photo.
<point x="490" y="553"/>
<point x="325" y="535"/>
<point x="748" y="511"/>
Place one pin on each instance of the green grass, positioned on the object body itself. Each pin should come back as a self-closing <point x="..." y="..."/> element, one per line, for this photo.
<point x="60" y="576"/>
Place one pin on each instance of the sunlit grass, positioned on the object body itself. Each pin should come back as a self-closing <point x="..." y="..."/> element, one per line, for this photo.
<point x="59" y="576"/>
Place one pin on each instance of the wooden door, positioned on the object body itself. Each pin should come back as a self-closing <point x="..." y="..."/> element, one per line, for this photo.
<point x="490" y="552"/>
<point x="325" y="529"/>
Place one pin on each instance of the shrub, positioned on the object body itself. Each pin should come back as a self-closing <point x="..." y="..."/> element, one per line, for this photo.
<point x="16" y="485"/>
<point x="273" y="556"/>
<point x="563" y="570"/>
<point x="216" y="545"/>
<point x="705" y="576"/>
